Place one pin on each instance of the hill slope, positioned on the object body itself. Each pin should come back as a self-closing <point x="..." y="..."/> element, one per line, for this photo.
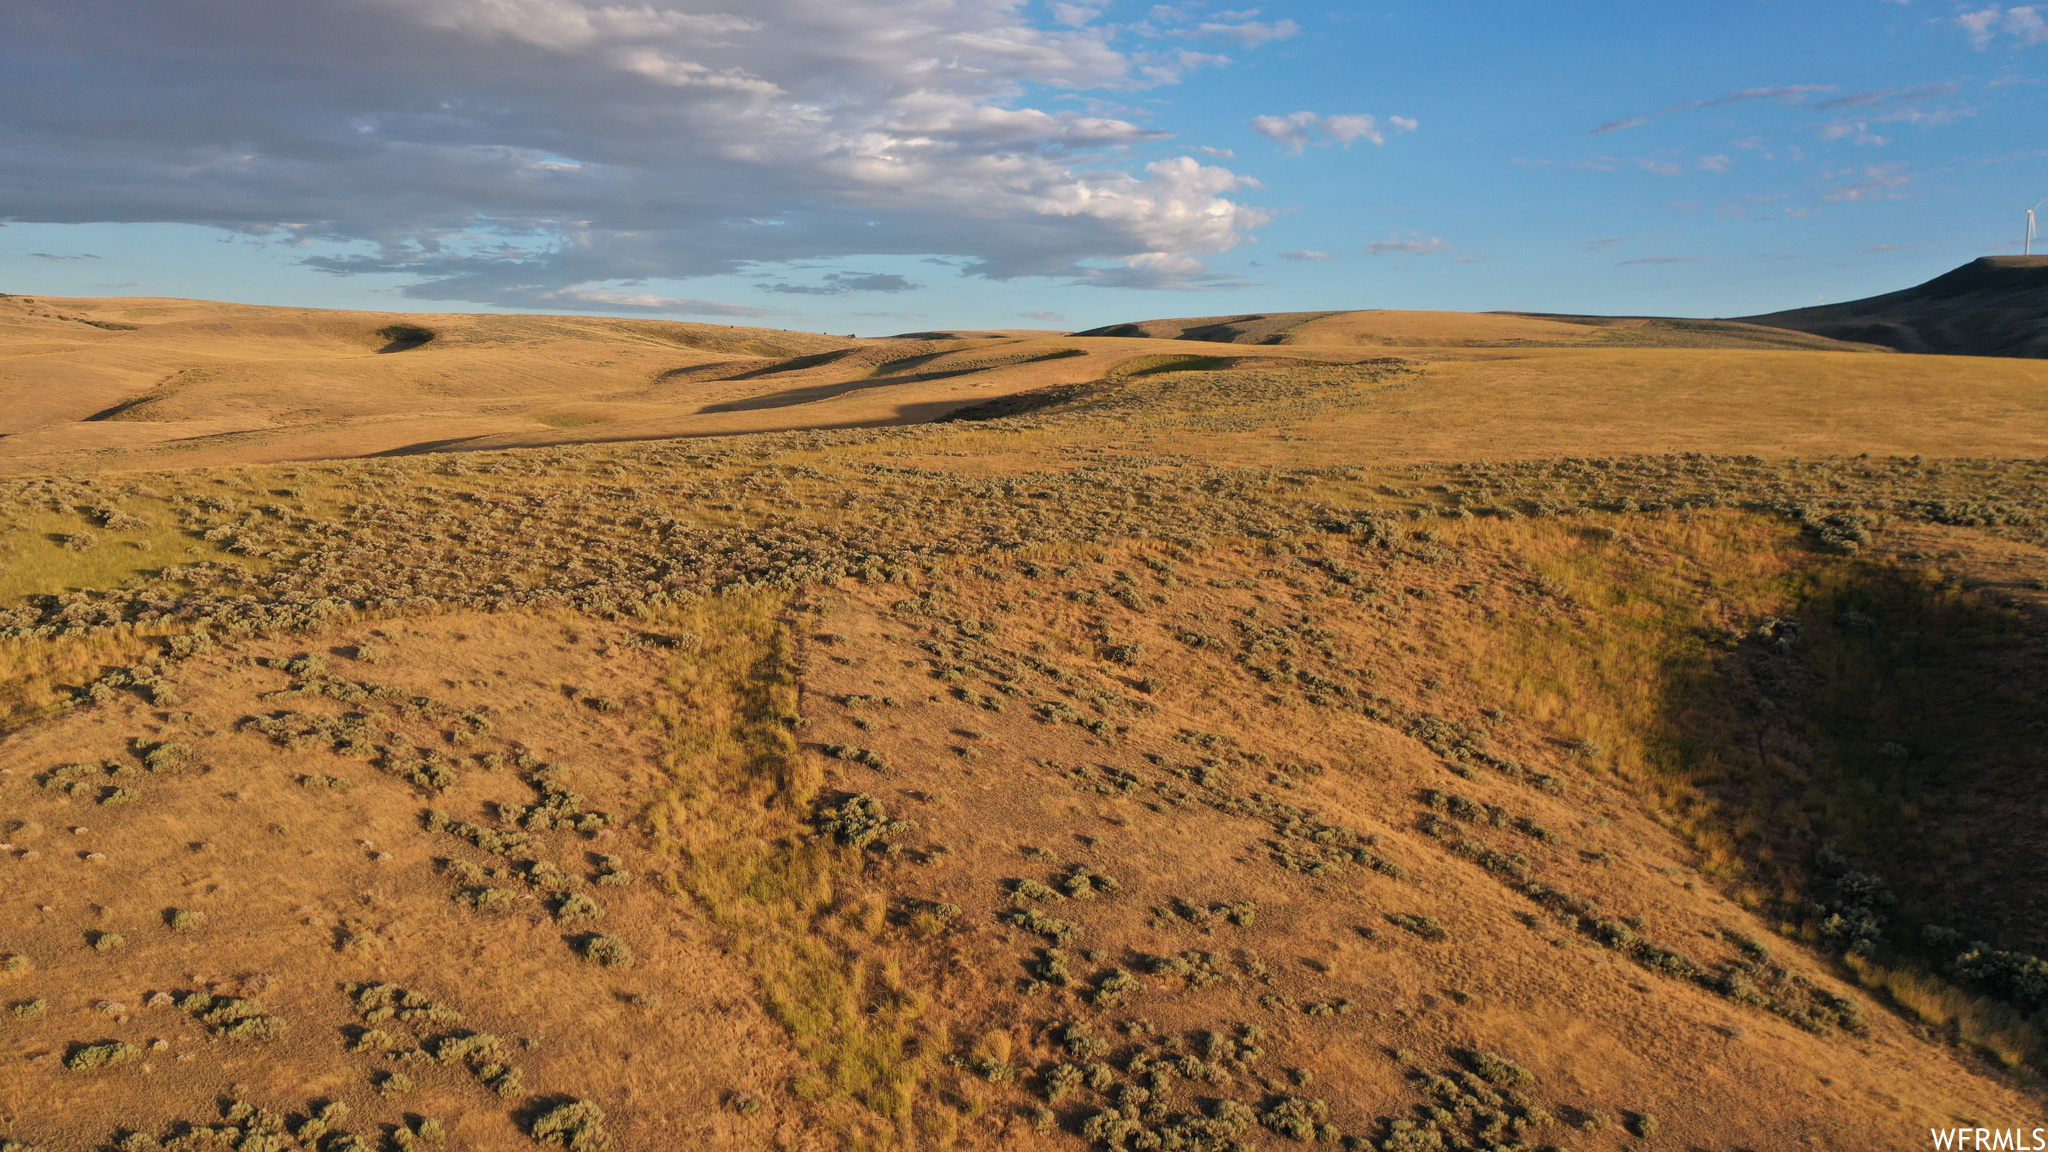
<point x="115" y="384"/>
<point x="1150" y="768"/>
<point x="1992" y="306"/>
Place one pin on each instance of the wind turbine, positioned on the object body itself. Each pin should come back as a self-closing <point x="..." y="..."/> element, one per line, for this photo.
<point x="2030" y="225"/>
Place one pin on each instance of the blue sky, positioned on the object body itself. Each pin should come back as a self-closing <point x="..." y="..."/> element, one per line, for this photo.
<point x="872" y="167"/>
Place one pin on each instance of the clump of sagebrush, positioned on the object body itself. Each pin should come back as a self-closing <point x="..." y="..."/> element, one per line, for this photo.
<point x="489" y="899"/>
<point x="103" y="1054"/>
<point x="232" y="1017"/>
<point x="1032" y="920"/>
<point x="611" y="872"/>
<point x="860" y="821"/>
<point x="381" y="1002"/>
<point x="244" y="1125"/>
<point x="576" y="1125"/>
<point x="1427" y="927"/>
<point x="1084" y="882"/>
<point x="606" y="951"/>
<point x="1497" y="1069"/>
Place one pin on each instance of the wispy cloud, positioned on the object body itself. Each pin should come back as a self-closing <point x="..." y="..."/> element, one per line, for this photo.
<point x="1249" y="34"/>
<point x="1884" y="248"/>
<point x="1044" y="317"/>
<point x="1604" y="243"/>
<point x="608" y="299"/>
<point x="841" y="283"/>
<point x="1655" y="165"/>
<point x="1307" y="254"/>
<point x="1790" y="94"/>
<point x="1889" y="95"/>
<point x="1871" y="182"/>
<point x="1416" y="245"/>
<point x="59" y="258"/>
<point x="1663" y="260"/>
<point x="1292" y="130"/>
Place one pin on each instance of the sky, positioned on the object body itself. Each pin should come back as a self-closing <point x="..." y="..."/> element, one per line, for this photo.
<point x="882" y="166"/>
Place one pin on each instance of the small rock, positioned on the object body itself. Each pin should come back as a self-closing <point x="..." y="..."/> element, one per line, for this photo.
<point x="159" y="1000"/>
<point x="94" y="857"/>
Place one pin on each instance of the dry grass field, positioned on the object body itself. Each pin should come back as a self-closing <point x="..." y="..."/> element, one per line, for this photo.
<point x="1411" y="733"/>
<point x="136" y="384"/>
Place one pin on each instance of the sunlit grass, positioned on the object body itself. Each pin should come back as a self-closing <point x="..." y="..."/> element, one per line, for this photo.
<point x="733" y="820"/>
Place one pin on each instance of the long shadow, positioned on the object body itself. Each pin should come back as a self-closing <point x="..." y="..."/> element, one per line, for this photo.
<point x="1906" y="722"/>
<point x="420" y="448"/>
<point x="795" y="396"/>
<point x="404" y="337"/>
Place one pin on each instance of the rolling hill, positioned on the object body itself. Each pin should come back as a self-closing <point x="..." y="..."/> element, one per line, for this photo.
<point x="1423" y="732"/>
<point x="1992" y="306"/>
<point x="124" y="384"/>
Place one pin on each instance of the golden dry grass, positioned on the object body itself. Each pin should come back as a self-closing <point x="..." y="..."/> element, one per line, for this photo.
<point x="1395" y="328"/>
<point x="1158" y="708"/>
<point x="195" y="383"/>
<point x="301" y="889"/>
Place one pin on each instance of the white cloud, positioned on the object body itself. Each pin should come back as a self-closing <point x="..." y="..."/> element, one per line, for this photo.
<point x="1714" y="163"/>
<point x="1044" y="317"/>
<point x="514" y="151"/>
<point x="1292" y="130"/>
<point x="2024" y="24"/>
<point x="1307" y="254"/>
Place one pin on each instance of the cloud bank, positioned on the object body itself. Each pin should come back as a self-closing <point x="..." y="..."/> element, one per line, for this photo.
<point x="559" y="152"/>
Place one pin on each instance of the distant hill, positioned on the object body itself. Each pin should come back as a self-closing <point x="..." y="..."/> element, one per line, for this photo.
<point x="1402" y="328"/>
<point x="1251" y="328"/>
<point x="1992" y="306"/>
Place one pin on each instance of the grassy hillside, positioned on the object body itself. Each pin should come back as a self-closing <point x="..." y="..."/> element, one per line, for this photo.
<point x="1992" y="306"/>
<point x="132" y="384"/>
<point x="1582" y="748"/>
